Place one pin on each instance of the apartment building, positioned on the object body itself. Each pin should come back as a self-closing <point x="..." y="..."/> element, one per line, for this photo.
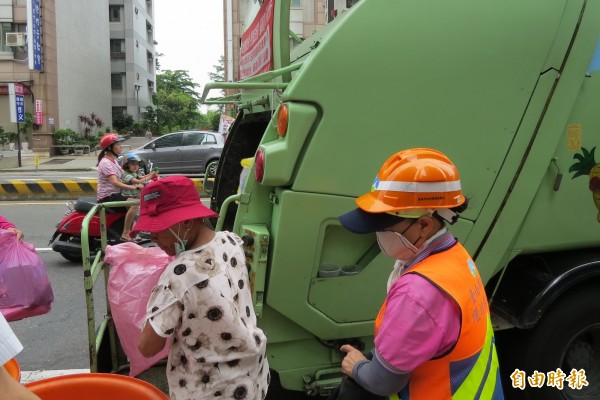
<point x="132" y="56"/>
<point x="66" y="70"/>
<point x="306" y="16"/>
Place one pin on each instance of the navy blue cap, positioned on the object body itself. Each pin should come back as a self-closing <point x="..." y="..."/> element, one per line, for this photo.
<point x="359" y="221"/>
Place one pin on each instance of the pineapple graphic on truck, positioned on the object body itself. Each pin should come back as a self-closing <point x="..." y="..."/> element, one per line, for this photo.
<point x="586" y="165"/>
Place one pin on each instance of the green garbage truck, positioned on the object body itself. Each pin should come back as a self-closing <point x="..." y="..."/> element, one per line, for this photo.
<point x="510" y="91"/>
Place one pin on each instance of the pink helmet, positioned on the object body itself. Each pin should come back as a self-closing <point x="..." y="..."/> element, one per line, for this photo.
<point x="110" y="138"/>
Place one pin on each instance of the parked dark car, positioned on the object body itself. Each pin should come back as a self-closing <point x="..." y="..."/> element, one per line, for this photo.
<point x="192" y="152"/>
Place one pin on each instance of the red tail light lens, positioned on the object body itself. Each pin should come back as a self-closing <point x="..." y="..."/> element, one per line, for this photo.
<point x="259" y="166"/>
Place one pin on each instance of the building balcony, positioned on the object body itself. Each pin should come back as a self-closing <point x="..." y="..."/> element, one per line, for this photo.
<point x="117" y="54"/>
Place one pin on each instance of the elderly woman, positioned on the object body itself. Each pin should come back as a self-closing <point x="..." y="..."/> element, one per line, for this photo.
<point x="202" y="302"/>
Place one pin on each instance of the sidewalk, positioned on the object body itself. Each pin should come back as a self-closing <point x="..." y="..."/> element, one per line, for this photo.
<point x="86" y="162"/>
<point x="9" y="164"/>
<point x="21" y="183"/>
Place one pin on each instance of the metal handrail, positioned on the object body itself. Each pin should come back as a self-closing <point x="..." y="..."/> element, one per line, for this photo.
<point x="76" y="146"/>
<point x="255" y="82"/>
<point x="91" y="272"/>
<point x="223" y="210"/>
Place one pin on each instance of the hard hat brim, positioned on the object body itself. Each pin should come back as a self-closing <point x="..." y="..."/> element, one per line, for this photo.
<point x="360" y="221"/>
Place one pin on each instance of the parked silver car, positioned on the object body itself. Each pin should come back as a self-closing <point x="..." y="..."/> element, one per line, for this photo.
<point x="183" y="152"/>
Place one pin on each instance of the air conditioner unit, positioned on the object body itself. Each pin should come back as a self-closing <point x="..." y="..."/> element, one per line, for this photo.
<point x="15" y="39"/>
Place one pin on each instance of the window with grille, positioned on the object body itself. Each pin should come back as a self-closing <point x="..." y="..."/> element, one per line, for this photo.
<point x="114" y="13"/>
<point x="116" y="82"/>
<point x="119" y="111"/>
<point x="116" y="45"/>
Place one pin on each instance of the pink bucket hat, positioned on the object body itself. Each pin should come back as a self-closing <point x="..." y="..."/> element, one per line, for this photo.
<point x="167" y="201"/>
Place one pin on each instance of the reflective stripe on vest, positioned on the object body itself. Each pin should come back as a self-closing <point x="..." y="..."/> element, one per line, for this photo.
<point x="481" y="381"/>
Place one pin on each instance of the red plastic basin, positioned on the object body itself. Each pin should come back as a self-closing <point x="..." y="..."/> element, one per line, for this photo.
<point x="13" y="368"/>
<point x="95" y="386"/>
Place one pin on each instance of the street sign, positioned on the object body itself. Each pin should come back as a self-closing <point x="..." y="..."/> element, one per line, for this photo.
<point x="39" y="116"/>
<point x="17" y="102"/>
<point x="20" y="103"/>
<point x="34" y="34"/>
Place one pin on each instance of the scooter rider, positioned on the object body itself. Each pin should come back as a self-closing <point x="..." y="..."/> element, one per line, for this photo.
<point x="109" y="174"/>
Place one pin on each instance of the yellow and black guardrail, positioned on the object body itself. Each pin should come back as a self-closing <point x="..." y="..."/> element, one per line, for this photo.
<point x="41" y="189"/>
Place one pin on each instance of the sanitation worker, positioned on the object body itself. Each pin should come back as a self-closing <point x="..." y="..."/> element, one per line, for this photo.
<point x="433" y="335"/>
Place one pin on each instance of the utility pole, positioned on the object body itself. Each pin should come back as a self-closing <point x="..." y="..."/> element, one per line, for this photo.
<point x="19" y="145"/>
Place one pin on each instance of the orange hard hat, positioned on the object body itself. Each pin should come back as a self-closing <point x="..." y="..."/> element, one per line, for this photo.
<point x="417" y="178"/>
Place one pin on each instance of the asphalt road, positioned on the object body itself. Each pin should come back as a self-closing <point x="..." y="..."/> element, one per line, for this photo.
<point x="57" y="340"/>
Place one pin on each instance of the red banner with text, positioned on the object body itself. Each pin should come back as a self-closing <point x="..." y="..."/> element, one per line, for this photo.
<point x="257" y="43"/>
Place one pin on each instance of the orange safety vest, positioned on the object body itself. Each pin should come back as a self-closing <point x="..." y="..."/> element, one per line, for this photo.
<point x="470" y="369"/>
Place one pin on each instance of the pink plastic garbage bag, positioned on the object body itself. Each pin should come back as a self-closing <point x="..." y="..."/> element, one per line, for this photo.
<point x="134" y="273"/>
<point x="25" y="289"/>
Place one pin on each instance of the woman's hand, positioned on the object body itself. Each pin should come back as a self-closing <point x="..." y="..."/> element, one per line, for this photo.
<point x="352" y="357"/>
<point x="18" y="232"/>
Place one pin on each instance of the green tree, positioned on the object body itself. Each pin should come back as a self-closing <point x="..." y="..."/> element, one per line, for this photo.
<point x="176" y="102"/>
<point x="210" y="120"/>
<point x="150" y="121"/>
<point x="219" y="76"/>
<point x="26" y="125"/>
<point x="157" y="57"/>
<point x="122" y="121"/>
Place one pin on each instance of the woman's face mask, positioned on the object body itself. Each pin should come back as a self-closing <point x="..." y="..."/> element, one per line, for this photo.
<point x="396" y="246"/>
<point x="181" y="243"/>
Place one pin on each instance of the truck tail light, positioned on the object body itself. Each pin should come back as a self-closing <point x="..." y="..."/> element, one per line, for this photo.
<point x="259" y="166"/>
<point x="282" y="120"/>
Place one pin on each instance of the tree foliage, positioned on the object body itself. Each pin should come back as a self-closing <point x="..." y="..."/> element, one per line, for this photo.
<point x="176" y="103"/>
<point x="210" y="120"/>
<point x="219" y="76"/>
<point x="122" y="121"/>
<point x="219" y="73"/>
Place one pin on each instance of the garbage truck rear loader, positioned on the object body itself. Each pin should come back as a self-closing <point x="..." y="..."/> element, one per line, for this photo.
<point x="509" y="91"/>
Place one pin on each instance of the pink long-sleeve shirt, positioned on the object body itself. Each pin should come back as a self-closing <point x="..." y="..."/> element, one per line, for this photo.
<point x="5" y="224"/>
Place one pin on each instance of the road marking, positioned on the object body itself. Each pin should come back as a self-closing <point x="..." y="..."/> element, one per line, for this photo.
<point x="32" y="376"/>
<point x="43" y="249"/>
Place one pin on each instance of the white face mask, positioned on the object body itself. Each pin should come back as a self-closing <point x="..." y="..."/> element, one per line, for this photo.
<point x="181" y="243"/>
<point x="396" y="246"/>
